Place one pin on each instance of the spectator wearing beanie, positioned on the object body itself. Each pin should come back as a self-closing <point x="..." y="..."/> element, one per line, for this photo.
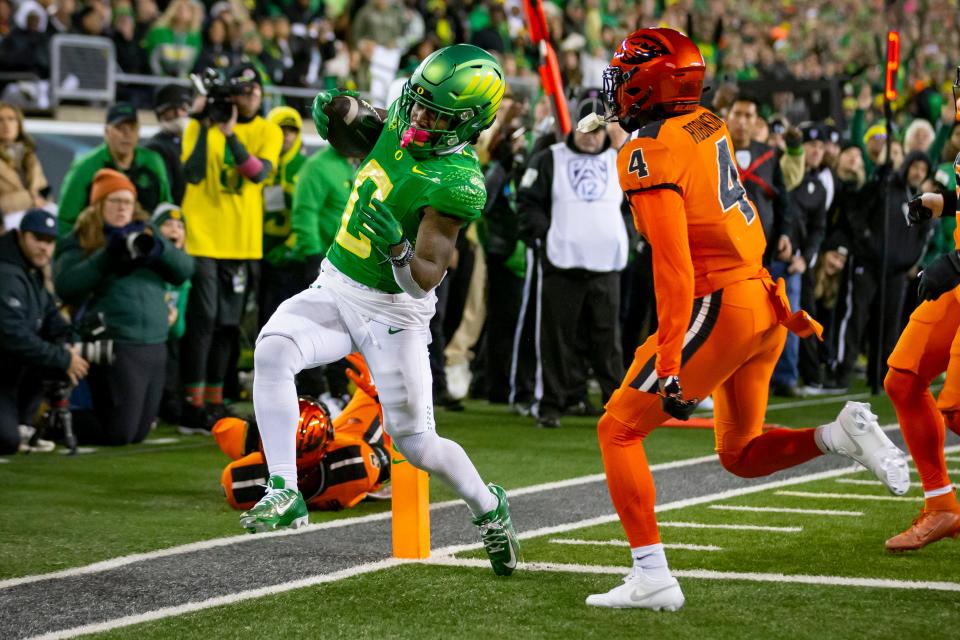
<point x="121" y="152"/>
<point x="169" y="220"/>
<point x="115" y="263"/>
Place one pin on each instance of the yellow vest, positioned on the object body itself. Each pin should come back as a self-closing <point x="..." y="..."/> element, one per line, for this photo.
<point x="225" y="211"/>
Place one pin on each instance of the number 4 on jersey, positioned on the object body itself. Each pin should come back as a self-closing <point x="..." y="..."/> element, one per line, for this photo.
<point x="637" y="164"/>
<point x="731" y="191"/>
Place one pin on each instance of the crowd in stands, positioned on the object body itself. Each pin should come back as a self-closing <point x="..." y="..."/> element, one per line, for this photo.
<point x="141" y="240"/>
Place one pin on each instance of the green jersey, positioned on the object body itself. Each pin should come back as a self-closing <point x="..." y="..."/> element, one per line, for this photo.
<point x="451" y="184"/>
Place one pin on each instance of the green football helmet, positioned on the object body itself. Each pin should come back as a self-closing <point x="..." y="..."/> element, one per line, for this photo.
<point x="460" y="87"/>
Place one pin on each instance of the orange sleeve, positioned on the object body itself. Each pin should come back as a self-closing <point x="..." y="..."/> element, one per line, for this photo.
<point x="661" y="214"/>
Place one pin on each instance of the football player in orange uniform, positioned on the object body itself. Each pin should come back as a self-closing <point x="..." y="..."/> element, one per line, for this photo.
<point x="339" y="462"/>
<point x="722" y="319"/>
<point x="928" y="346"/>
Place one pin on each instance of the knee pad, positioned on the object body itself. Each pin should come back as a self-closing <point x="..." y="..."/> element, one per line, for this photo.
<point x="900" y="385"/>
<point x="277" y="356"/>
<point x="611" y="431"/>
<point x="951" y="418"/>
<point x="407" y="402"/>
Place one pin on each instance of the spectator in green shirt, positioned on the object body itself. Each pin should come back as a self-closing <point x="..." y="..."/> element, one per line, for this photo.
<point x="173" y="43"/>
<point x="120" y="151"/>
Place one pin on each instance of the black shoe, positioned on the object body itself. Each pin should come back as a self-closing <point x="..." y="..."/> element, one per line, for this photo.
<point x="785" y="390"/>
<point x="583" y="408"/>
<point x="442" y="398"/>
<point x="549" y="421"/>
<point x="194" y="420"/>
<point x="214" y="413"/>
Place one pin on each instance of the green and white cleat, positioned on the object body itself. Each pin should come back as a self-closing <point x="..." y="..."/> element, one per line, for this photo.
<point x="499" y="538"/>
<point x="280" y="508"/>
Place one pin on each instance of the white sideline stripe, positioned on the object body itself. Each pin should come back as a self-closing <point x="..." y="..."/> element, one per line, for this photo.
<point x="953" y="472"/>
<point x="704" y="574"/>
<point x="813" y="402"/>
<point x="114" y="563"/>
<point x="952" y="458"/>
<point x="813" y="512"/>
<point x="845" y="496"/>
<point x="738" y="527"/>
<point x="624" y="543"/>
<point x="868" y="483"/>
<point x="669" y="506"/>
<point x="162" y="441"/>
<point x="232" y="598"/>
<point x="4" y="460"/>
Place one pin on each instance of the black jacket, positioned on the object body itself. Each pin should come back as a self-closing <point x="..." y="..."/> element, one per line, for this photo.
<point x="168" y="146"/>
<point x="29" y="321"/>
<point x="810" y="223"/>
<point x="763" y="181"/>
<point x="905" y="245"/>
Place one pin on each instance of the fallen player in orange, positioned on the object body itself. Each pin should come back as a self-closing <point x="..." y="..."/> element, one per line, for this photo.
<point x="339" y="462"/>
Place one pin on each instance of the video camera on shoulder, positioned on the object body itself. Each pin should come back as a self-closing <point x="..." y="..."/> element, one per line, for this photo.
<point x="92" y="346"/>
<point x="219" y="91"/>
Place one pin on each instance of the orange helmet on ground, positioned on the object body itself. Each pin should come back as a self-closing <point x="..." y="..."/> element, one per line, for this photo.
<point x="654" y="73"/>
<point x="314" y="431"/>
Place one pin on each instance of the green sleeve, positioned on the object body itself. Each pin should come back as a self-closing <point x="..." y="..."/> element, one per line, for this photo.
<point x="305" y="220"/>
<point x="462" y="196"/>
<point x="858" y="127"/>
<point x="180" y="326"/>
<point x="76" y="276"/>
<point x="74" y="193"/>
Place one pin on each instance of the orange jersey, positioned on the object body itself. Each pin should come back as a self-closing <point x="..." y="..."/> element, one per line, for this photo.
<point x="684" y="189"/>
<point x="956" y="183"/>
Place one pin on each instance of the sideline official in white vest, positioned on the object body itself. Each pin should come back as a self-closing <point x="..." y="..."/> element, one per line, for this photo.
<point x="570" y="208"/>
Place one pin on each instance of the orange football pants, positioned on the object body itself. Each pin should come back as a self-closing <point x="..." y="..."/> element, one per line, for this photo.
<point x="928" y="346"/>
<point x="731" y="347"/>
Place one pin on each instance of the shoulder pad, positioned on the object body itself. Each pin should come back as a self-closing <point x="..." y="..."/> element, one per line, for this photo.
<point x="645" y="164"/>
<point x="462" y="195"/>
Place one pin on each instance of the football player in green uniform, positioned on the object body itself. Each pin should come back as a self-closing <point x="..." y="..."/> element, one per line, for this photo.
<point x="414" y="190"/>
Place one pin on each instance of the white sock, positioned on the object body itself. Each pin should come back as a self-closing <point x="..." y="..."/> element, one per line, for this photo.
<point x="942" y="491"/>
<point x="823" y="436"/>
<point x="277" y="359"/>
<point x="447" y="460"/>
<point x="652" y="560"/>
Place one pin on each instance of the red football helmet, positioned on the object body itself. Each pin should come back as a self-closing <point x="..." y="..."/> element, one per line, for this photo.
<point x="314" y="432"/>
<point x="654" y="73"/>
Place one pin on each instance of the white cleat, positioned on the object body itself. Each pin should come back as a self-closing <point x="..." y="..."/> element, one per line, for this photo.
<point x="860" y="438"/>
<point x="639" y="591"/>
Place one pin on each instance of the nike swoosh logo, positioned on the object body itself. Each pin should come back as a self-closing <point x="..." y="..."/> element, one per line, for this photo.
<point x="392" y="331"/>
<point x="417" y="171"/>
<point x="397" y="461"/>
<point x="513" y="557"/>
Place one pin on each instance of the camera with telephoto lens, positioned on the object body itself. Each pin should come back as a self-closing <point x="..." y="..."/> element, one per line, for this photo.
<point x="219" y="91"/>
<point x="92" y="347"/>
<point x="140" y="244"/>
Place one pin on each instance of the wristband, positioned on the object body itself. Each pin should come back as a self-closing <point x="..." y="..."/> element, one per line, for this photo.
<point x="406" y="257"/>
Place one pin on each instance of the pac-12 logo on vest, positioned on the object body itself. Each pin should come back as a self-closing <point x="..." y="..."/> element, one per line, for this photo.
<point x="588" y="176"/>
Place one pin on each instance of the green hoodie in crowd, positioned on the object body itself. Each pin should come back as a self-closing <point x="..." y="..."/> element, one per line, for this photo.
<point x="319" y="200"/>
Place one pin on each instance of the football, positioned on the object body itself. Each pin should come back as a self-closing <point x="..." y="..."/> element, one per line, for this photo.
<point x="354" y="125"/>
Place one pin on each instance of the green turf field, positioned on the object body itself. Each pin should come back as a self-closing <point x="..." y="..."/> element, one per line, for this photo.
<point x="70" y="512"/>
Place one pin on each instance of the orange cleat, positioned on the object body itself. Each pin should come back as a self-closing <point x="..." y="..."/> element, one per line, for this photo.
<point x="929" y="527"/>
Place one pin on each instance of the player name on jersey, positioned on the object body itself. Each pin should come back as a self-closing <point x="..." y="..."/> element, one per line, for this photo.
<point x="703" y="126"/>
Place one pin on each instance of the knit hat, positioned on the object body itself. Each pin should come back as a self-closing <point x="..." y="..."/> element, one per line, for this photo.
<point x="879" y="129"/>
<point x="166" y="211"/>
<point x="106" y="181"/>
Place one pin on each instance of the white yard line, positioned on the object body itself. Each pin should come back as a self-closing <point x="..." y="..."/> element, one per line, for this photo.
<point x="624" y="543"/>
<point x="952" y="458"/>
<point x="192" y="547"/>
<point x="384" y="564"/>
<point x="812" y="512"/>
<point x="952" y="472"/>
<point x="868" y="483"/>
<point x="845" y="496"/>
<point x="738" y="527"/>
<point x="669" y="506"/>
<point x="169" y="612"/>
<point x="704" y="574"/>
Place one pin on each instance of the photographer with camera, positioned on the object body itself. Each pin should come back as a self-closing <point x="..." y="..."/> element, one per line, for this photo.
<point x="229" y="152"/>
<point x="116" y="264"/>
<point x="32" y="332"/>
